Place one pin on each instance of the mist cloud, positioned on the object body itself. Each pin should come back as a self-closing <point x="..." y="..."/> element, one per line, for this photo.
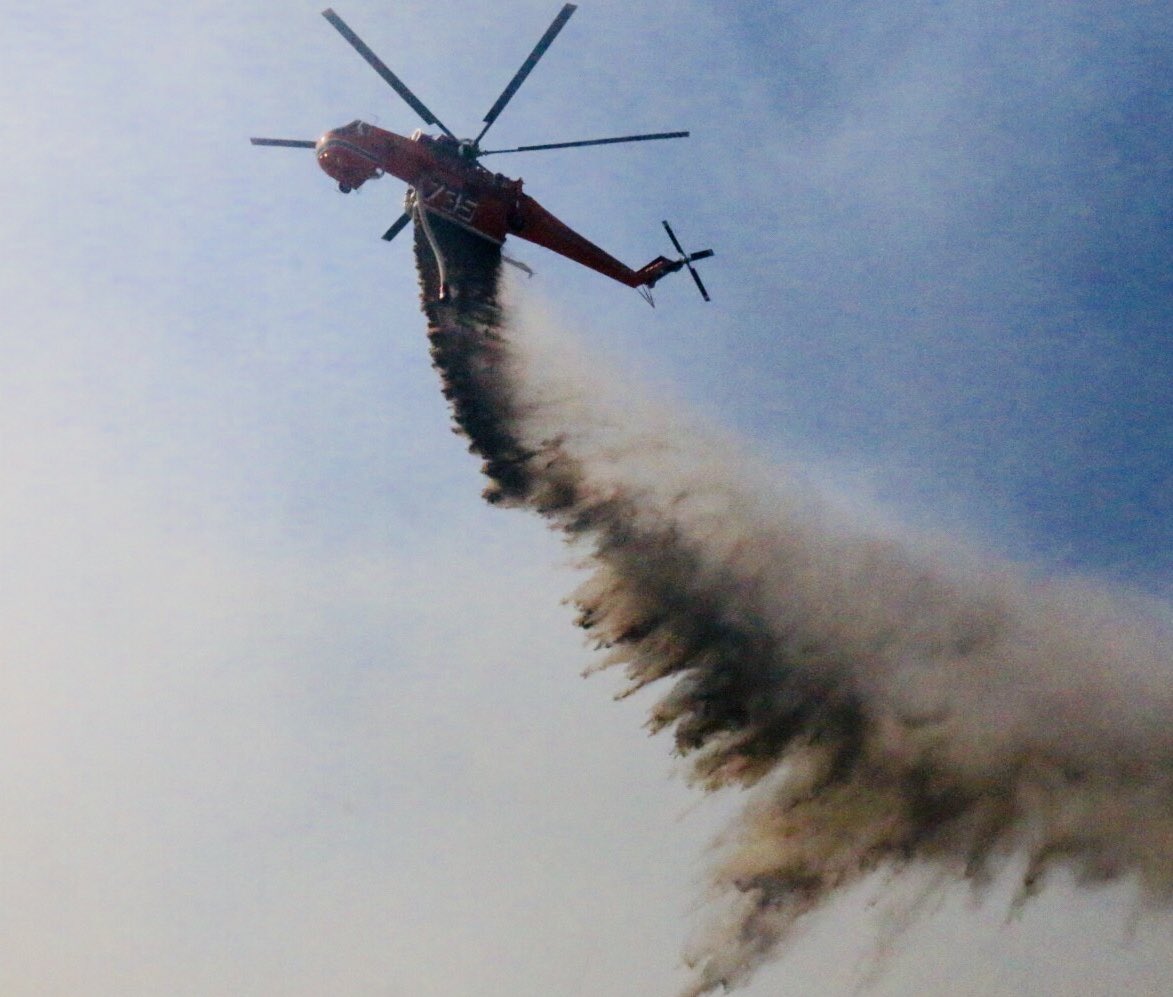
<point x="891" y="698"/>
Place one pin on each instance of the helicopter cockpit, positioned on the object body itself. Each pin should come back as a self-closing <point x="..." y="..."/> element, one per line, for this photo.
<point x="344" y="155"/>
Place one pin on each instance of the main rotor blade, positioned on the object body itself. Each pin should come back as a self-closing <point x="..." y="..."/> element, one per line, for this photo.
<point x="398" y="227"/>
<point x="527" y="67"/>
<point x="379" y="67"/>
<point x="590" y="141"/>
<point x="288" y="143"/>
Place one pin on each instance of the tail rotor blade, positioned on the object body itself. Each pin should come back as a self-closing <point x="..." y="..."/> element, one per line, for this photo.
<point x="699" y="286"/>
<point x="394" y="230"/>
<point x="287" y="143"/>
<point x="527" y="67"/>
<point x="380" y="67"/>
<point x="675" y="241"/>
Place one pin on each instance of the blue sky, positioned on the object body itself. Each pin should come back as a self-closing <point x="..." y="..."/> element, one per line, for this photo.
<point x="285" y="705"/>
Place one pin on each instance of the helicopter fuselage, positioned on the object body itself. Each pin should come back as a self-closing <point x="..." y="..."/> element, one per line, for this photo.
<point x="448" y="181"/>
<point x="445" y="178"/>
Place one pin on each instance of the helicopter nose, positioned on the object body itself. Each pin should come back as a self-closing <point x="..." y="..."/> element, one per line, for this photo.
<point x="345" y="161"/>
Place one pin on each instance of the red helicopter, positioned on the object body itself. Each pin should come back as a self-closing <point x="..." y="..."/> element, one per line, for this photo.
<point x="445" y="178"/>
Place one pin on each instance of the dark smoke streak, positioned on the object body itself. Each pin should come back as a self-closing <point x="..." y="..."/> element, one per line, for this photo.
<point x="890" y="709"/>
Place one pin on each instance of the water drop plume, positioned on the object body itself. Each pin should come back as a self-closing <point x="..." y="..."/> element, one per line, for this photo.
<point x="890" y="699"/>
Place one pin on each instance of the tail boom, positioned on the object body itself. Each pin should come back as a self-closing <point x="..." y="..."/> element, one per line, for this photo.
<point x="527" y="219"/>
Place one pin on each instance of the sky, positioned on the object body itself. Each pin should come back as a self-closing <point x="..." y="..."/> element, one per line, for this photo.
<point x="285" y="707"/>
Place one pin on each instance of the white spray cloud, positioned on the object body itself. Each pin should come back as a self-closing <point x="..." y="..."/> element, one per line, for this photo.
<point x="893" y="698"/>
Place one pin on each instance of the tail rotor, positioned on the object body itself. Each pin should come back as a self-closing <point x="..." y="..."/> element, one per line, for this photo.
<point x="687" y="259"/>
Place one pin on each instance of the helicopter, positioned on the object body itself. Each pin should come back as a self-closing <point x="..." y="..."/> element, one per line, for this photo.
<point x="445" y="177"/>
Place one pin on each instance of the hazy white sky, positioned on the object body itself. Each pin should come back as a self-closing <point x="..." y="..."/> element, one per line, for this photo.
<point x="284" y="709"/>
